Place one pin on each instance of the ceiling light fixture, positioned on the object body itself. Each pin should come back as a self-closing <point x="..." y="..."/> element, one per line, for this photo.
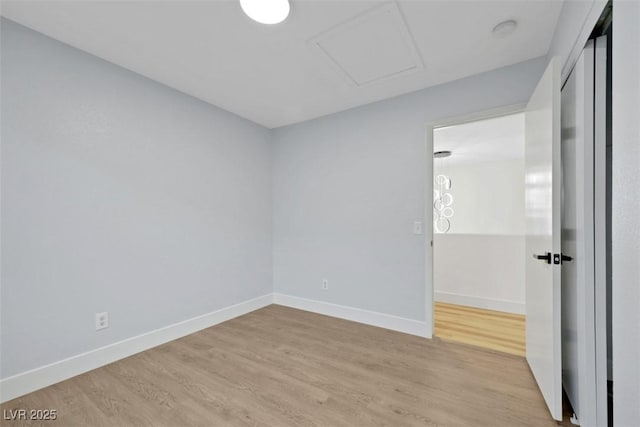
<point x="266" y="11"/>
<point x="505" y="28"/>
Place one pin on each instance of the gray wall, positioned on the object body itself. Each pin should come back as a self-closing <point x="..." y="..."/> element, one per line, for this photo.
<point x="626" y="213"/>
<point x="348" y="187"/>
<point x="119" y="195"/>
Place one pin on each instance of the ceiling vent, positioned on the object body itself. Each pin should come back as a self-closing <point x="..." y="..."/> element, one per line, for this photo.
<point x="371" y="47"/>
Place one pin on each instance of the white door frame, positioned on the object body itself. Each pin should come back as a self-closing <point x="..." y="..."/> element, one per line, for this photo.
<point x="428" y="214"/>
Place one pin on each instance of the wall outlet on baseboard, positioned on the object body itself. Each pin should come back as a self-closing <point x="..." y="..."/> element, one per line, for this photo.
<point x="102" y="321"/>
<point x="325" y="285"/>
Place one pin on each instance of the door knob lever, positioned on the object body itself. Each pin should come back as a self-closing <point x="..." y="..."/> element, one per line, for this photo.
<point x="546" y="257"/>
<point x="561" y="258"/>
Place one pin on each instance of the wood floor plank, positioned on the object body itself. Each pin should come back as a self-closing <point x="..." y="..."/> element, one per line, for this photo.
<point x="283" y="367"/>
<point x="484" y="328"/>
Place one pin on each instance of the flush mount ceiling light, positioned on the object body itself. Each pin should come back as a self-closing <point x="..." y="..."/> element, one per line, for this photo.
<point x="441" y="154"/>
<point x="266" y="11"/>
<point x="505" y="28"/>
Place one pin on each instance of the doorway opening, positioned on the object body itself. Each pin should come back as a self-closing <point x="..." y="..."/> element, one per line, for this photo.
<point x="479" y="231"/>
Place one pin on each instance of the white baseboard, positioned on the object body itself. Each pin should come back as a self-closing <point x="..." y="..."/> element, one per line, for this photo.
<point x="387" y="321"/>
<point x="480" y="302"/>
<point x="35" y="379"/>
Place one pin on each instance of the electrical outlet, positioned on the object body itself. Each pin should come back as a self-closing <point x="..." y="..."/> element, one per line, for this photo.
<point x="325" y="284"/>
<point x="102" y="321"/>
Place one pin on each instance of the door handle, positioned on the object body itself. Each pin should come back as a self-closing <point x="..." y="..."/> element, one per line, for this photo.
<point x="561" y="258"/>
<point x="546" y="257"/>
<point x="564" y="258"/>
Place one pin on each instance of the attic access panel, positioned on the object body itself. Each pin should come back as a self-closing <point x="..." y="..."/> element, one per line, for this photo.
<point x="371" y="47"/>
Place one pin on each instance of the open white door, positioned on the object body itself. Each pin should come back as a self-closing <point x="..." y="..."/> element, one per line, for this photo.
<point x="543" y="244"/>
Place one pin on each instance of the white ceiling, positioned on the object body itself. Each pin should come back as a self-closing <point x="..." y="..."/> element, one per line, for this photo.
<point x="278" y="75"/>
<point x="500" y="138"/>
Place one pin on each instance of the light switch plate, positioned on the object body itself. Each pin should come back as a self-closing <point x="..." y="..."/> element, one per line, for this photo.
<point x="417" y="227"/>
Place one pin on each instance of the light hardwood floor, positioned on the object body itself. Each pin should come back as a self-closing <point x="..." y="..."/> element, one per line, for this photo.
<point x="485" y="328"/>
<point x="283" y="367"/>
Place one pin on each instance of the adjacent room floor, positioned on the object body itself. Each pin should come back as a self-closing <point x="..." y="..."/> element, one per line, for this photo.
<point x="284" y="367"/>
<point x="485" y="328"/>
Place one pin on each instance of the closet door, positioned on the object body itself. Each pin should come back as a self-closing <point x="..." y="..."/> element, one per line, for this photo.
<point x="600" y="227"/>
<point x="583" y="230"/>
